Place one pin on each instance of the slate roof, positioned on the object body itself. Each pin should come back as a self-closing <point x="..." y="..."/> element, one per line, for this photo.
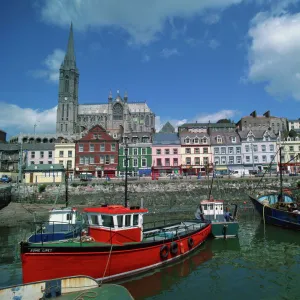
<point x="44" y="168"/>
<point x="258" y="134"/>
<point x="168" y="128"/>
<point x="39" y="146"/>
<point x="166" y="139"/>
<point x="226" y="138"/>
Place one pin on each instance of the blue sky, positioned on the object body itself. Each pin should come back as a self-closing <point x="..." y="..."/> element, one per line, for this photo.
<point x="190" y="60"/>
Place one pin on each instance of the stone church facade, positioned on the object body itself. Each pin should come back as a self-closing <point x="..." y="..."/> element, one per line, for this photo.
<point x="120" y="117"/>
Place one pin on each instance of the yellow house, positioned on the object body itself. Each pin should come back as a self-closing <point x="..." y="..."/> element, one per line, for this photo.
<point x="64" y="154"/>
<point x="44" y="173"/>
<point x="290" y="156"/>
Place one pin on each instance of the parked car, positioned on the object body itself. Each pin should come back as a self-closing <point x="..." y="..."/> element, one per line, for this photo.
<point x="5" y="179"/>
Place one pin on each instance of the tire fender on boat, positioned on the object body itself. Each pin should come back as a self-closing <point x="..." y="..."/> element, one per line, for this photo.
<point x="190" y="242"/>
<point x="164" y="251"/>
<point x="174" y="248"/>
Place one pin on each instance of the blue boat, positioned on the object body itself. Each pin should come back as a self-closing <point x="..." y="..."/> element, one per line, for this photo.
<point x="278" y="208"/>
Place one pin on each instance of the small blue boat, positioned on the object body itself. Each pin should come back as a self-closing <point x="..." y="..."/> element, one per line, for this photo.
<point x="64" y="223"/>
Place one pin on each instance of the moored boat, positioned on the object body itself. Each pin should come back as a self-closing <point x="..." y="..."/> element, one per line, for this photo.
<point x="116" y="246"/>
<point x="224" y="225"/>
<point x="77" y="287"/>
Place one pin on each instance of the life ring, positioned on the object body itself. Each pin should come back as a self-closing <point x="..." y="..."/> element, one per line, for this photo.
<point x="190" y="242"/>
<point x="174" y="248"/>
<point x="164" y="251"/>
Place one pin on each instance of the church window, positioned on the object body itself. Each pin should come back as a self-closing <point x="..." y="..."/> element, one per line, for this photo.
<point x="118" y="112"/>
<point x="147" y="120"/>
<point x="61" y="127"/>
<point x="66" y="127"/>
<point x="66" y="84"/>
<point x="63" y="111"/>
<point x="67" y="111"/>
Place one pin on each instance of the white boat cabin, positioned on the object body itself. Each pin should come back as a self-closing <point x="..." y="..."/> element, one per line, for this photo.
<point x="63" y="216"/>
<point x="213" y="210"/>
<point x="115" y="223"/>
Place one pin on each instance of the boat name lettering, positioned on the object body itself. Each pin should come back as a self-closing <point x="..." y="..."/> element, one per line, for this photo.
<point x="40" y="250"/>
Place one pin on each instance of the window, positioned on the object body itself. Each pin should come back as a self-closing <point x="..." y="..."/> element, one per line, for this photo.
<point x="230" y="150"/>
<point x="107" y="159"/>
<point x="49" y="162"/>
<point x="255" y="148"/>
<point x="70" y="153"/>
<point x="92" y="147"/>
<point x="66" y="127"/>
<point x="42" y="154"/>
<point x="196" y="141"/>
<point x="272" y="157"/>
<point x="205" y="150"/>
<point x="219" y="140"/>
<point x="144" y="151"/>
<point x="41" y="162"/>
<point x="135" y="162"/>
<point x="81" y="160"/>
<point x="92" y="160"/>
<point x="135" y="220"/>
<point x="144" y="162"/>
<point x="291" y="148"/>
<point x="158" y="151"/>
<point x="107" y="221"/>
<point x="101" y="159"/>
<point x="112" y="159"/>
<point x="135" y="151"/>
<point x="271" y="148"/>
<point x="124" y="162"/>
<point x="86" y="160"/>
<point x="231" y="159"/>
<point x="128" y="220"/>
<point x="32" y="154"/>
<point x="167" y="151"/>
<point x="256" y="159"/>
<point x="264" y="158"/>
<point x="61" y="153"/>
<point x="49" y="154"/>
<point x="69" y="164"/>
<point x="126" y="151"/>
<point x="175" y="151"/>
<point x="102" y="147"/>
<point x="233" y="139"/>
<point x="247" y="159"/>
<point x="188" y="160"/>
<point x="187" y="141"/>
<point x="217" y="150"/>
<point x="247" y="148"/>
<point x="175" y="162"/>
<point x="204" y="140"/>
<point x="223" y="160"/>
<point x="94" y="220"/>
<point x="120" y="221"/>
<point x="61" y="162"/>
<point x="113" y="147"/>
<point x="223" y="150"/>
<point x="238" y="159"/>
<point x="238" y="150"/>
<point x="187" y="150"/>
<point x="61" y="127"/>
<point x="167" y="162"/>
<point x="217" y="160"/>
<point x="197" y="161"/>
<point x="159" y="162"/>
<point x="32" y="162"/>
<point x="197" y="150"/>
<point x="263" y="148"/>
<point x="205" y="161"/>
<point x="80" y="148"/>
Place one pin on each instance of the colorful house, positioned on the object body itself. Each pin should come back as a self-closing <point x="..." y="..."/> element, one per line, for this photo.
<point x="166" y="157"/>
<point x="140" y="159"/>
<point x="290" y="156"/>
<point x="64" y="154"/>
<point x="96" y="154"/>
<point x="44" y="173"/>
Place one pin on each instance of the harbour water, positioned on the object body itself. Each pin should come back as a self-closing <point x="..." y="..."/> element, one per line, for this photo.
<point x="263" y="263"/>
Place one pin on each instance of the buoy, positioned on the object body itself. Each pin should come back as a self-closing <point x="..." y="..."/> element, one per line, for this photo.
<point x="181" y="247"/>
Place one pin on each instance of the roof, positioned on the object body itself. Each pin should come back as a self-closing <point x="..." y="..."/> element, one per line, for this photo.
<point x="44" y="168"/>
<point x="258" y="134"/>
<point x="166" y="139"/>
<point x="2" y="130"/>
<point x="168" y="128"/>
<point x="211" y="202"/>
<point x="38" y="146"/>
<point x="9" y="147"/>
<point x="226" y="138"/>
<point x="115" y="210"/>
<point x="217" y="125"/>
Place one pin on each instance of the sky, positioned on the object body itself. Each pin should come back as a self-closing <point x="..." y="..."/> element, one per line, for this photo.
<point x="191" y="60"/>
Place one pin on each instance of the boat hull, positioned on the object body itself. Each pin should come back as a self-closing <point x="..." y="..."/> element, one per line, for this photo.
<point x="277" y="217"/>
<point x="225" y="229"/>
<point x="104" y="263"/>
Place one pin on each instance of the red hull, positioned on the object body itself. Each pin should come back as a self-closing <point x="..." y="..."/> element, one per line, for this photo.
<point x="54" y="262"/>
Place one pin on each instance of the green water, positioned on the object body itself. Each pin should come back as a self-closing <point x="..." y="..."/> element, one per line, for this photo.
<point x="263" y="263"/>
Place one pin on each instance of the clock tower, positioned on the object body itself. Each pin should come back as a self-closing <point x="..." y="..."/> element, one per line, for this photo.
<point x="67" y="109"/>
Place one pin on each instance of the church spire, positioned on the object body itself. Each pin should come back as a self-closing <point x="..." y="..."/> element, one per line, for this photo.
<point x="69" y="60"/>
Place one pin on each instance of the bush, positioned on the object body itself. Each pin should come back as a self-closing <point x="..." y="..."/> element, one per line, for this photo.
<point x="42" y="188"/>
<point x="74" y="184"/>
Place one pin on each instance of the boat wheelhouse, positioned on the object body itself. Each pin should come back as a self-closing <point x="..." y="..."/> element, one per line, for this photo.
<point x="64" y="223"/>
<point x="116" y="246"/>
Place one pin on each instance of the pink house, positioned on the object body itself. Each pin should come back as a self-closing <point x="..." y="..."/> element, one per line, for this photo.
<point x="166" y="157"/>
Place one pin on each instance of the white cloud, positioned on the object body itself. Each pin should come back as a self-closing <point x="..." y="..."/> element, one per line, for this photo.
<point x="143" y="20"/>
<point x="213" y="44"/>
<point x="211" y="19"/>
<point x="200" y="118"/>
<point x="166" y="53"/>
<point x="274" y="54"/>
<point x="15" y="119"/>
<point x="145" y="58"/>
<point x="51" y="64"/>
<point x="192" y="41"/>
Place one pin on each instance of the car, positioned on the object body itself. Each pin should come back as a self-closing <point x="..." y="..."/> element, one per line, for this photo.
<point x="5" y="179"/>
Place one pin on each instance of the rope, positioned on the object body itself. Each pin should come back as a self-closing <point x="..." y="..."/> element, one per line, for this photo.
<point x="107" y="262"/>
<point x="86" y="294"/>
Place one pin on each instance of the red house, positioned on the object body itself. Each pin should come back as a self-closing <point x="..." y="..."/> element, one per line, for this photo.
<point x="97" y="153"/>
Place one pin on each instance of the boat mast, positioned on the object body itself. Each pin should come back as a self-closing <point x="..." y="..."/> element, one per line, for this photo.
<point x="126" y="169"/>
<point x="66" y="187"/>
<point x="211" y="185"/>
<point x="280" y="173"/>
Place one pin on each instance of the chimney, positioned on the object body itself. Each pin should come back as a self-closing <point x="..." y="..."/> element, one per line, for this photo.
<point x="253" y="114"/>
<point x="267" y="114"/>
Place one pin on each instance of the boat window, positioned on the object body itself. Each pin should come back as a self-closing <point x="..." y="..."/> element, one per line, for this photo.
<point x="69" y="217"/>
<point x="135" y="220"/>
<point x="107" y="221"/>
<point x="94" y="220"/>
<point x="127" y="220"/>
<point x="205" y="206"/>
<point x="211" y="206"/>
<point x="120" y="221"/>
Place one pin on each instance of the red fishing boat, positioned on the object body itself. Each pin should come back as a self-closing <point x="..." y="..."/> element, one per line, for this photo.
<point x="116" y="246"/>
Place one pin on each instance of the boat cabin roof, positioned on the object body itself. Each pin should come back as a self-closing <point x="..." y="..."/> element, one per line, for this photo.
<point x="212" y="202"/>
<point x="62" y="210"/>
<point x="115" y="210"/>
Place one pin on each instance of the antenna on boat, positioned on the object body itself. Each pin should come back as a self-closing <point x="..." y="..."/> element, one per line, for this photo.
<point x="66" y="186"/>
<point x="211" y="184"/>
<point x="280" y="173"/>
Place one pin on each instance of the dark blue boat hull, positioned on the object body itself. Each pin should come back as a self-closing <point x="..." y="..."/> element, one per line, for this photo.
<point x="277" y="217"/>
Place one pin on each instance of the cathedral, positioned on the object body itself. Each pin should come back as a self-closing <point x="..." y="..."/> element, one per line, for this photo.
<point x="119" y="116"/>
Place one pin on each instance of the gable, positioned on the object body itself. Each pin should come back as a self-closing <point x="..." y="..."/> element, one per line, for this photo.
<point x="98" y="131"/>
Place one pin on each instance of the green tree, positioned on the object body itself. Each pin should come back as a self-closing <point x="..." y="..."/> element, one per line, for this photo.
<point x="293" y="133"/>
<point x="224" y="121"/>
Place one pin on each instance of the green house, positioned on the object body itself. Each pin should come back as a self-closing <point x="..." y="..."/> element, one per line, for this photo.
<point x="140" y="159"/>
